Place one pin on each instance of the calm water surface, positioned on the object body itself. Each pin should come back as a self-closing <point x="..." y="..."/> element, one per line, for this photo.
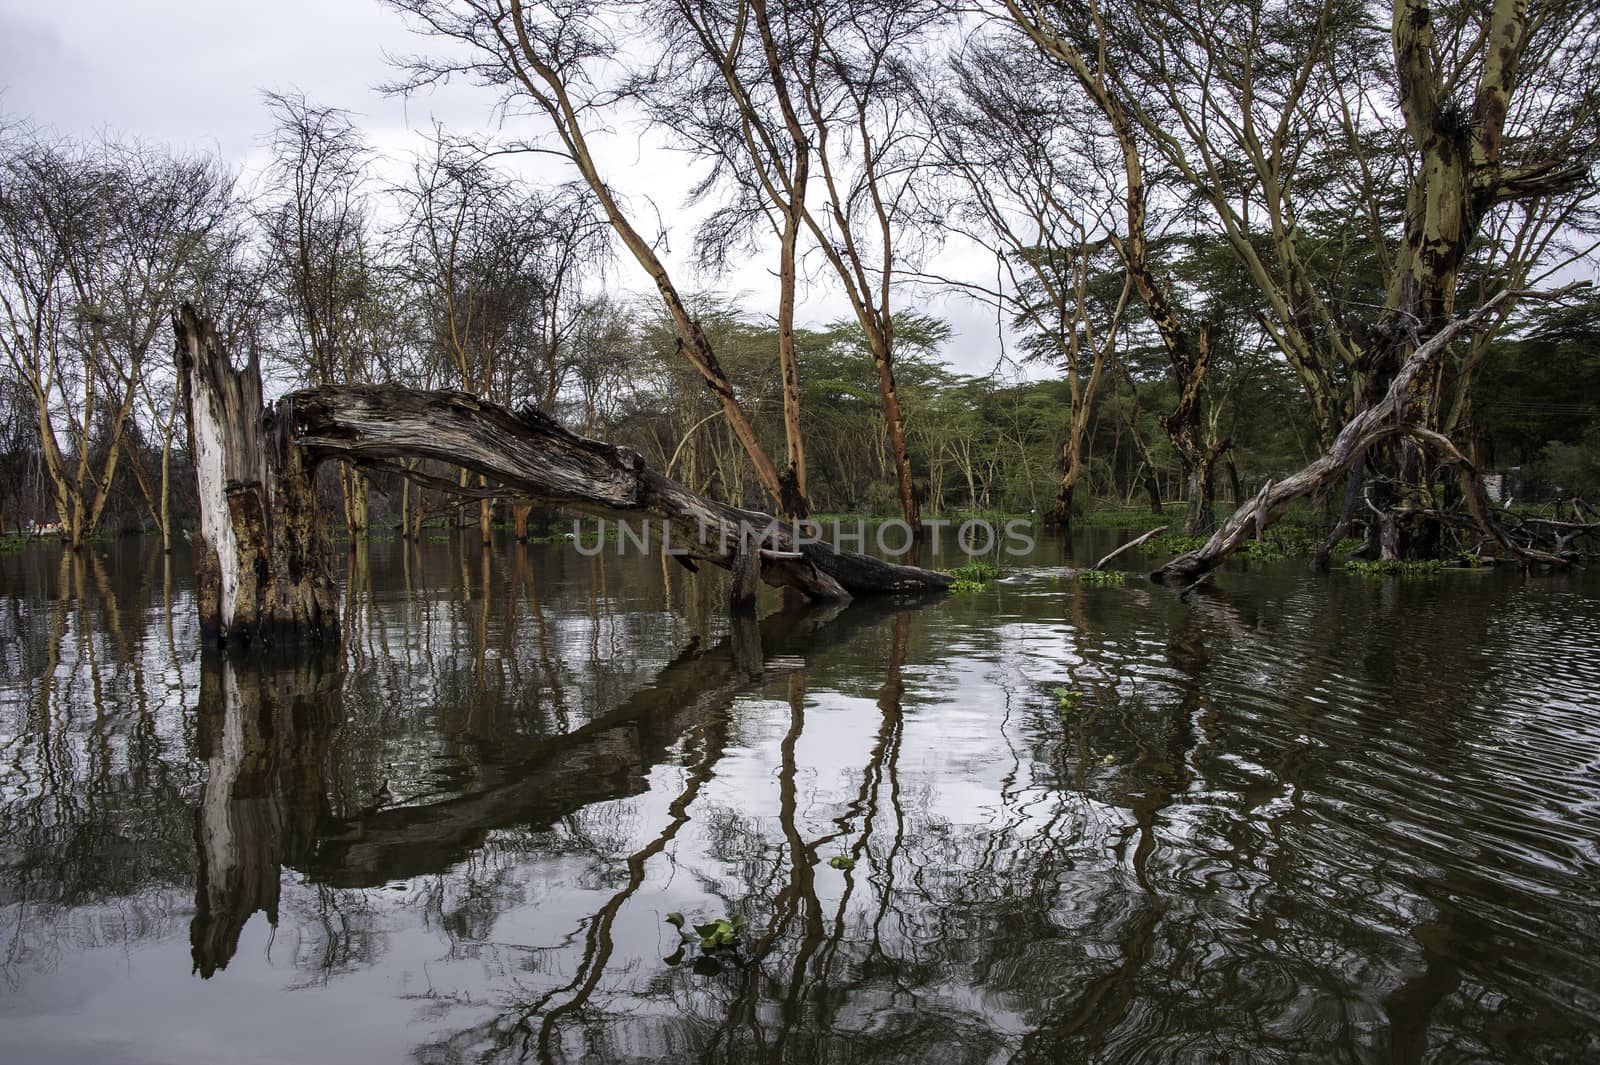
<point x="1297" y="819"/>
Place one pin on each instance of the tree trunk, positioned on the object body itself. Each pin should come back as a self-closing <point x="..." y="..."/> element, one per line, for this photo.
<point x="263" y="561"/>
<point x="529" y="454"/>
<point x="166" y="487"/>
<point x="261" y="569"/>
<point x="1385" y="420"/>
<point x="910" y="509"/>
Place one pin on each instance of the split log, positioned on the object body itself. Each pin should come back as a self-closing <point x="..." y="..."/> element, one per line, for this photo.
<point x="1382" y="420"/>
<point x="263" y="562"/>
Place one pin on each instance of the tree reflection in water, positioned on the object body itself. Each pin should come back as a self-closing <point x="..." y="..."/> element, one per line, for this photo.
<point x="1282" y="819"/>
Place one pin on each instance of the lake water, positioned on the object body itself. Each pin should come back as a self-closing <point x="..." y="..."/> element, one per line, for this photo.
<point x="1298" y="818"/>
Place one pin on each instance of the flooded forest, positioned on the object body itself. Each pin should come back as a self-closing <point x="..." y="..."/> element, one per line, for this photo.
<point x="815" y="532"/>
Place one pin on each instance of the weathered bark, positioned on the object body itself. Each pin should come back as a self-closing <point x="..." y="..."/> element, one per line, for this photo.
<point x="263" y="571"/>
<point x="1391" y="417"/>
<point x="261" y="566"/>
<point x="529" y="454"/>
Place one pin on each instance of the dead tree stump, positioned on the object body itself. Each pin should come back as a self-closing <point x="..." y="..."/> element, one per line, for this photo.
<point x="261" y="558"/>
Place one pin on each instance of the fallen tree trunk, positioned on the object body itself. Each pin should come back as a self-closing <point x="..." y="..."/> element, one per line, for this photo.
<point x="528" y="454"/>
<point x="264" y="555"/>
<point x="1382" y="420"/>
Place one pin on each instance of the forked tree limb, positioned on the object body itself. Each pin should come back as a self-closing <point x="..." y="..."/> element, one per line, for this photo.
<point x="1382" y="420"/>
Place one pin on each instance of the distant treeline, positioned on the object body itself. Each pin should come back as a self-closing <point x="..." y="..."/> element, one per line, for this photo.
<point x="1211" y="254"/>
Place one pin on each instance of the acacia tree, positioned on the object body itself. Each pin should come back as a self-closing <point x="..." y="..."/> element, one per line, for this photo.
<point x="1010" y="139"/>
<point x="721" y="86"/>
<point x="94" y="245"/>
<point x="1354" y="217"/>
<point x="806" y="110"/>
<point x="858" y="107"/>
<point x="552" y="57"/>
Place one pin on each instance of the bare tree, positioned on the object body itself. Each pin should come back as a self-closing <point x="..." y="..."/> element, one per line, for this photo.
<point x="1012" y="142"/>
<point x="319" y="235"/>
<point x="95" y="243"/>
<point x="723" y="85"/>
<point x="552" y="57"/>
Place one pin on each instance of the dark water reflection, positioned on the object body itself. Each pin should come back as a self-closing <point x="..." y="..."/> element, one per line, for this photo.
<point x="1297" y="819"/>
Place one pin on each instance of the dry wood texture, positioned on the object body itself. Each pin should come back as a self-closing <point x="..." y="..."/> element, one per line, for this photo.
<point x="529" y="454"/>
<point x="261" y="559"/>
<point x="263" y="570"/>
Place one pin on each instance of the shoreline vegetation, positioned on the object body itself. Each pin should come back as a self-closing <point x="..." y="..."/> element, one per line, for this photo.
<point x="1296" y="536"/>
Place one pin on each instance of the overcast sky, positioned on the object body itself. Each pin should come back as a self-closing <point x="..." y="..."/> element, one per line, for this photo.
<point x="190" y="75"/>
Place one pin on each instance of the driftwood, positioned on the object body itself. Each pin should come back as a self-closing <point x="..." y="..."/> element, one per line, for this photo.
<point x="264" y="556"/>
<point x="1382" y="420"/>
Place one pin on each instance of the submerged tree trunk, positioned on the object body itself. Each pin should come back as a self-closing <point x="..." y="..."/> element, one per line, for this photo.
<point x="261" y="568"/>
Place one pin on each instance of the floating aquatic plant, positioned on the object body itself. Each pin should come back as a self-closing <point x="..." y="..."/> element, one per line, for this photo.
<point x="719" y="934"/>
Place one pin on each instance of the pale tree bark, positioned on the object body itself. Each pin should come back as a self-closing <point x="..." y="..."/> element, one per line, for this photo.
<point x="540" y="50"/>
<point x="261" y="558"/>
<point x="262" y="565"/>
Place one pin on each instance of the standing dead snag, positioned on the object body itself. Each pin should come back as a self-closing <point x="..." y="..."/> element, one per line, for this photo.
<point x="261" y="564"/>
<point x="263" y="570"/>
